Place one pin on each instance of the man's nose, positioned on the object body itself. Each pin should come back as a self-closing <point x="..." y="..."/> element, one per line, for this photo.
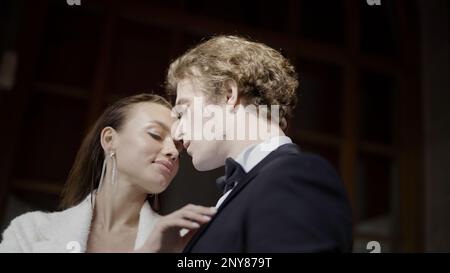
<point x="177" y="132"/>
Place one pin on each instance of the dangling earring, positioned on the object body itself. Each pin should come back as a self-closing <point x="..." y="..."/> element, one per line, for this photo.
<point x="114" y="171"/>
<point x="114" y="168"/>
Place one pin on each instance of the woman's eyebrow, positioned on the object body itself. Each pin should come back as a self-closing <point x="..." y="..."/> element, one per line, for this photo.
<point x="162" y="125"/>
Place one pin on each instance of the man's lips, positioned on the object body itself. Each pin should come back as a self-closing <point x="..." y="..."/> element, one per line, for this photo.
<point x="186" y="144"/>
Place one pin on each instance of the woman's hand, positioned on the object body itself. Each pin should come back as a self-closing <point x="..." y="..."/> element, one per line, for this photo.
<point x="166" y="236"/>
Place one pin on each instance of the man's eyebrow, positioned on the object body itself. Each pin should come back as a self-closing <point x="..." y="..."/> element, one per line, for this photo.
<point x="162" y="125"/>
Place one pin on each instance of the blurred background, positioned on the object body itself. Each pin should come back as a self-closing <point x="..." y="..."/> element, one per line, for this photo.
<point x="373" y="98"/>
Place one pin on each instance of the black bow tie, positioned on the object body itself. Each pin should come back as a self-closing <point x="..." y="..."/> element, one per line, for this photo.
<point x="233" y="173"/>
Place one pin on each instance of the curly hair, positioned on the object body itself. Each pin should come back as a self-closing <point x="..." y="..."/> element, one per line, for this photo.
<point x="262" y="74"/>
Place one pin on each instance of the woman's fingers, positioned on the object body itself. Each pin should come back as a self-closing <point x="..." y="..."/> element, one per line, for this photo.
<point x="167" y="236"/>
<point x="189" y="217"/>
<point x="196" y="217"/>
<point x="210" y="211"/>
<point x="184" y="223"/>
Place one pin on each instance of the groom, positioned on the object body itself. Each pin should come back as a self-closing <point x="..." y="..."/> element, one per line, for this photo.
<point x="275" y="197"/>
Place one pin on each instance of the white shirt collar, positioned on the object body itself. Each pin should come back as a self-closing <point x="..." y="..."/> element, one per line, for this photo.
<point x="253" y="154"/>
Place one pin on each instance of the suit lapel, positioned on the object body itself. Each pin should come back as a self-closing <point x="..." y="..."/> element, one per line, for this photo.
<point x="244" y="182"/>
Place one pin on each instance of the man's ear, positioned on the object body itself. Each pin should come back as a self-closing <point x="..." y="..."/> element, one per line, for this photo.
<point x="232" y="93"/>
<point x="107" y="139"/>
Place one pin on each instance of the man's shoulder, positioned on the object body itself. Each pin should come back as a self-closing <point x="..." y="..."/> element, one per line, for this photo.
<point x="298" y="171"/>
<point x="290" y="157"/>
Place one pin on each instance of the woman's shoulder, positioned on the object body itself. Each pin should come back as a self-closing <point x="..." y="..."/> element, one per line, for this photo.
<point x="23" y="229"/>
<point x="30" y="231"/>
<point x="39" y="218"/>
<point x="33" y="218"/>
<point x="30" y="224"/>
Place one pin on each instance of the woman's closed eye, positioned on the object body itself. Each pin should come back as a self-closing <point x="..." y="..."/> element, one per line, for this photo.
<point x="155" y="136"/>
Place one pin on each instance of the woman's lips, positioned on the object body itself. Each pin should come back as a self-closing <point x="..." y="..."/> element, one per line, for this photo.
<point x="165" y="166"/>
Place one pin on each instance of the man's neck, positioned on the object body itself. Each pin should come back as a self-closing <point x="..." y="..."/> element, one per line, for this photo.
<point x="238" y="146"/>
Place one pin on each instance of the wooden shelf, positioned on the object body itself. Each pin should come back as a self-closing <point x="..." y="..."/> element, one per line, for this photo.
<point x="378" y="149"/>
<point x="146" y="13"/>
<point x="37" y="187"/>
<point x="61" y="90"/>
<point x="377" y="229"/>
<point x="317" y="139"/>
<point x="375" y="63"/>
<point x="69" y="91"/>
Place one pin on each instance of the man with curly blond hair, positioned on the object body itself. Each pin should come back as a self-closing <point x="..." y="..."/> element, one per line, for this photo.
<point x="233" y="99"/>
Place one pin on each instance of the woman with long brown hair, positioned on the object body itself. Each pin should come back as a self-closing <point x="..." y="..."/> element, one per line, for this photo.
<point x="109" y="201"/>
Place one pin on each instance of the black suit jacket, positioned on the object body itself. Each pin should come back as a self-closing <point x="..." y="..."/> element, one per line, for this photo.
<point x="290" y="202"/>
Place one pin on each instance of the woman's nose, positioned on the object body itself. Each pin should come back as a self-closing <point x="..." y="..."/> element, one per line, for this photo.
<point x="170" y="150"/>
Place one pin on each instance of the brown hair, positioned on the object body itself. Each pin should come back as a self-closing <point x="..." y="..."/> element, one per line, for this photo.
<point x="86" y="171"/>
<point x="262" y="74"/>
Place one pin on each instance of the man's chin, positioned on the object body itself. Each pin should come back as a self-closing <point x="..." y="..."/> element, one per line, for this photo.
<point x="200" y="167"/>
<point x="205" y="165"/>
